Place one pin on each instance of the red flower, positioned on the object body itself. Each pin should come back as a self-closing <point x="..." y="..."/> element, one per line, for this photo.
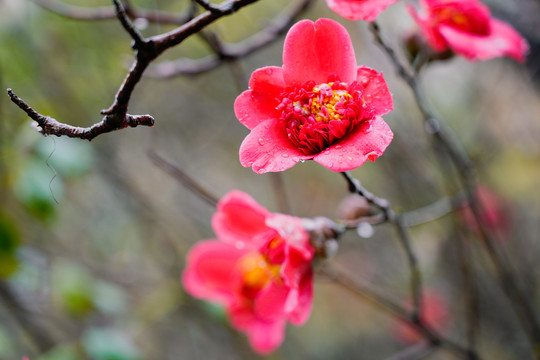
<point x="494" y="212"/>
<point x="466" y="26"/>
<point x="319" y="105"/>
<point x="359" y="9"/>
<point x="434" y="314"/>
<point x="259" y="268"/>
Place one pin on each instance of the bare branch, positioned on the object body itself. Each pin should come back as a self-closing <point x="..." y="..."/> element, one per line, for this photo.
<point x="380" y="301"/>
<point x="38" y="335"/>
<point x="207" y="5"/>
<point x="109" y="12"/>
<point x="397" y="221"/>
<point x="186" y="180"/>
<point x="230" y="51"/>
<point x="508" y="280"/>
<point x="138" y="39"/>
<point x="146" y="51"/>
<point x="50" y="126"/>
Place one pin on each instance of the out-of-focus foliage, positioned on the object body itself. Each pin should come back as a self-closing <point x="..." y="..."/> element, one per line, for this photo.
<point x="93" y="235"/>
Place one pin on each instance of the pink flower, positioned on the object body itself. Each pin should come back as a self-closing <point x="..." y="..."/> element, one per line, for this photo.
<point x="259" y="268"/>
<point x="434" y="314"/>
<point x="359" y="9"/>
<point x="319" y="105"/>
<point x="466" y="26"/>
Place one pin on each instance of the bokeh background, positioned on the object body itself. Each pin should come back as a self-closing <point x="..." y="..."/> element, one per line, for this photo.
<point x="93" y="235"/>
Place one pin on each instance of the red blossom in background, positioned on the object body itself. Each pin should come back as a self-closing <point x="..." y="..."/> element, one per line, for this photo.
<point x="466" y="27"/>
<point x="434" y="314"/>
<point x="494" y="212"/>
<point x="319" y="105"/>
<point x="359" y="9"/>
<point x="259" y="268"/>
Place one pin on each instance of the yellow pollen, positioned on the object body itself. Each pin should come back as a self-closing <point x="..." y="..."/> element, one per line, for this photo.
<point x="459" y="18"/>
<point x="257" y="271"/>
<point x="329" y="102"/>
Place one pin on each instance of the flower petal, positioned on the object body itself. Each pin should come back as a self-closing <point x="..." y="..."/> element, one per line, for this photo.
<point x="301" y="312"/>
<point x="270" y="301"/>
<point x="432" y="36"/>
<point x="267" y="149"/>
<point x="367" y="142"/>
<point x="502" y="41"/>
<point x="375" y="90"/>
<point x="210" y="272"/>
<point x="313" y="51"/>
<point x="259" y="104"/>
<point x="359" y="9"/>
<point x="264" y="335"/>
<point x="240" y="220"/>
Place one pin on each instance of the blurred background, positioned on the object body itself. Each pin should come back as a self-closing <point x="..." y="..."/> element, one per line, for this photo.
<point x="93" y="235"/>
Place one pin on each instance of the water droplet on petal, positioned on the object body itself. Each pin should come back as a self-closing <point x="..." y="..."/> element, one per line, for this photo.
<point x="331" y="165"/>
<point x="239" y="245"/>
<point x="250" y="164"/>
<point x="365" y="230"/>
<point x="285" y="155"/>
<point x="338" y="146"/>
<point x="296" y="158"/>
<point x="261" y="141"/>
<point x="261" y="171"/>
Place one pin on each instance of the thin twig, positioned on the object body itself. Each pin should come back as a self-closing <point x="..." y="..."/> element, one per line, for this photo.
<point x="109" y="12"/>
<point x="146" y="51"/>
<point x="342" y="278"/>
<point x="187" y="181"/>
<point x="433" y="211"/>
<point x="39" y="336"/>
<point x="507" y="279"/>
<point x="397" y="221"/>
<point x="50" y="126"/>
<point x="231" y="51"/>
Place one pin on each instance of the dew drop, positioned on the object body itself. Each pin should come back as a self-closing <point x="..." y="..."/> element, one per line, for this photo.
<point x="239" y="245"/>
<point x="261" y="171"/>
<point x="285" y="155"/>
<point x="302" y="160"/>
<point x="365" y="230"/>
<point x="296" y="158"/>
<point x="338" y="147"/>
<point x="261" y="141"/>
<point x="250" y="164"/>
<point x="331" y="165"/>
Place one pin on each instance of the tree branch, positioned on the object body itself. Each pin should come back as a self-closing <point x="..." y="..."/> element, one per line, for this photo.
<point x="109" y="12"/>
<point x="397" y="220"/>
<point x="231" y="51"/>
<point x="146" y="51"/>
<point x="467" y="174"/>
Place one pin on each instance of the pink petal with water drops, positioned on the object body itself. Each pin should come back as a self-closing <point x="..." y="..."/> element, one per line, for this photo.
<point x="368" y="142"/>
<point x="259" y="103"/>
<point x="267" y="149"/>
<point x="376" y="91"/>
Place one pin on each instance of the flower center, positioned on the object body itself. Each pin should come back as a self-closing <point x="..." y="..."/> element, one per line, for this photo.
<point x="316" y="116"/>
<point x="256" y="271"/>
<point x="472" y="19"/>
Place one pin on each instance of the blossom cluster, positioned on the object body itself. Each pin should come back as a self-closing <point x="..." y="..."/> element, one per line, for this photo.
<point x="319" y="105"/>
